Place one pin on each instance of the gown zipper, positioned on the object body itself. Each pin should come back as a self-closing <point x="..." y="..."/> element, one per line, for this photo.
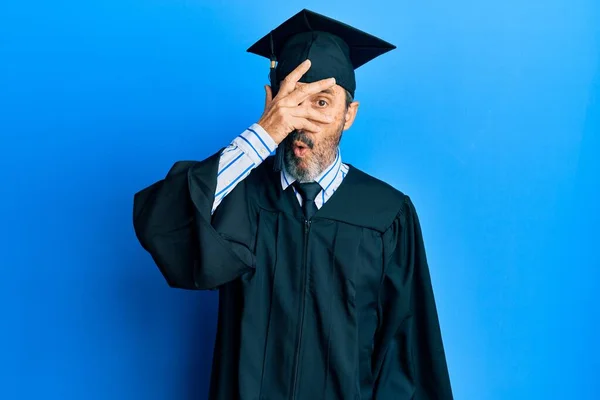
<point x="307" y="224"/>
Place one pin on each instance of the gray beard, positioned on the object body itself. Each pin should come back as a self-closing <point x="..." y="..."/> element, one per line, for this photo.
<point x="302" y="174"/>
<point x="315" y="164"/>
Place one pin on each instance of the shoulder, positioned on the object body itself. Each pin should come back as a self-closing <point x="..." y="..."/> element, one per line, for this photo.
<point x="379" y="194"/>
<point x="365" y="200"/>
<point x="380" y="191"/>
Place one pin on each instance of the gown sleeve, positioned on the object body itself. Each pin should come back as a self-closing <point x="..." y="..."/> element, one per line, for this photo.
<point x="409" y="358"/>
<point x="172" y="221"/>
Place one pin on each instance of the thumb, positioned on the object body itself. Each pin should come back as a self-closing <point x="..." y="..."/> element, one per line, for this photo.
<point x="268" y="96"/>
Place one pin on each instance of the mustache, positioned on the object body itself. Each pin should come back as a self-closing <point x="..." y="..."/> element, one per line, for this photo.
<point x="300" y="137"/>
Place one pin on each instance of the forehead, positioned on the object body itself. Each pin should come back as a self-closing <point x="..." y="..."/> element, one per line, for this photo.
<point x="335" y="90"/>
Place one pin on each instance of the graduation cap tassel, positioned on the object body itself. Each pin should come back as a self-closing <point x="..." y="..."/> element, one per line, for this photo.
<point x="273" y="59"/>
<point x="278" y="162"/>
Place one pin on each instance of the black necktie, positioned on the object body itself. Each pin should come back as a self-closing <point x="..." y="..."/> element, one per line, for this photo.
<point x="309" y="193"/>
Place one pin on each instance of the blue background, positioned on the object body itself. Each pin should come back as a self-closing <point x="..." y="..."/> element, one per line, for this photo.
<point x="487" y="115"/>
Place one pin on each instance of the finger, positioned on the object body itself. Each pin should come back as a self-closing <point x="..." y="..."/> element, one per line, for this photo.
<point x="289" y="82"/>
<point x="268" y="96"/>
<point x="305" y="125"/>
<point x="312" y="114"/>
<point x="302" y="92"/>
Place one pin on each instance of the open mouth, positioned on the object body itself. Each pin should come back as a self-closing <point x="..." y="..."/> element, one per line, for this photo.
<point x="300" y="148"/>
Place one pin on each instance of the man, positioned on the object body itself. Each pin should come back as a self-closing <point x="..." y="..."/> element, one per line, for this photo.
<point x="324" y="288"/>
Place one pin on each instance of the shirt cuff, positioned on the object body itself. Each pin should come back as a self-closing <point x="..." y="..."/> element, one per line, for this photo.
<point x="256" y="143"/>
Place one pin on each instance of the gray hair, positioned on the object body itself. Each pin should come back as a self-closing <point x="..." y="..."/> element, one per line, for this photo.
<point x="349" y="98"/>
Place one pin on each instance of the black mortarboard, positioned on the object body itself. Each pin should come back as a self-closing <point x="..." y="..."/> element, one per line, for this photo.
<point x="335" y="50"/>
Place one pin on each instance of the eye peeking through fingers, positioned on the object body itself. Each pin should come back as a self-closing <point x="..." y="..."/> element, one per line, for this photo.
<point x="322" y="103"/>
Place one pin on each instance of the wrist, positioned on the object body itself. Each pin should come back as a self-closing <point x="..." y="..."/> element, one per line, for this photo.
<point x="270" y="132"/>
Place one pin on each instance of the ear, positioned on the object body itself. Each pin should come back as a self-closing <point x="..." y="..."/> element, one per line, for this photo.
<point x="351" y="114"/>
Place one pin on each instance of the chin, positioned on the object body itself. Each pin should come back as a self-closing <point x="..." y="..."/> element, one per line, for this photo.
<point x="301" y="163"/>
<point x="302" y="168"/>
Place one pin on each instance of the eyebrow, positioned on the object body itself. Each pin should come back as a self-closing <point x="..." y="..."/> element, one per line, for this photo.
<point x="328" y="91"/>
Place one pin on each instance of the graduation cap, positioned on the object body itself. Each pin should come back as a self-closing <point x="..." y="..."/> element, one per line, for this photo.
<point x="334" y="48"/>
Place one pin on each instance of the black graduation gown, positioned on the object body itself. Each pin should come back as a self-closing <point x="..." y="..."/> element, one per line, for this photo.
<point x="340" y="307"/>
